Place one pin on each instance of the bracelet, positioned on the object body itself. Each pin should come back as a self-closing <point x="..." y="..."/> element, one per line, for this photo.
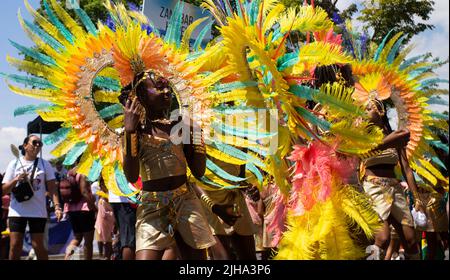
<point x="196" y="136"/>
<point x="209" y="203"/>
<point x="131" y="144"/>
<point x="199" y="149"/>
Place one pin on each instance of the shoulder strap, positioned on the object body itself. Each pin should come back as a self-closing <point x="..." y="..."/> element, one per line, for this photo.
<point x="34" y="168"/>
<point x="45" y="170"/>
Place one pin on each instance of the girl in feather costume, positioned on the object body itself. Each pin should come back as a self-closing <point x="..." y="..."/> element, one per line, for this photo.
<point x="380" y="183"/>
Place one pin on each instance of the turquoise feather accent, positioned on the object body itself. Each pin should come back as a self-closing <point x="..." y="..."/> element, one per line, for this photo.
<point x="253" y="11"/>
<point x="107" y="83"/>
<point x="419" y="71"/>
<point x="287" y="61"/>
<point x="30" y="81"/>
<point x="42" y="58"/>
<point x="438" y="101"/>
<point x="311" y="118"/>
<point x="56" y="136"/>
<point x="44" y="36"/>
<point x="134" y="200"/>
<point x="202" y="35"/>
<point x="268" y="78"/>
<point x="95" y="171"/>
<point x="236" y="153"/>
<point x="173" y="34"/>
<point x="255" y="171"/>
<point x="194" y="55"/>
<point x="258" y="150"/>
<point x="222" y="173"/>
<point x="439" y="162"/>
<point x="418" y="178"/>
<point x="250" y="134"/>
<point x="235" y="85"/>
<point x="393" y="53"/>
<point x="410" y="61"/>
<point x="303" y="92"/>
<point x="54" y="19"/>
<point x="381" y="46"/>
<point x="227" y="8"/>
<point x="439" y="116"/>
<point x="438" y="144"/>
<point x="86" y="21"/>
<point x="237" y="5"/>
<point x="236" y="110"/>
<point x="207" y="181"/>
<point x="121" y="180"/>
<point x="430" y="82"/>
<point x="111" y="111"/>
<point x="74" y="153"/>
<point x="28" y="109"/>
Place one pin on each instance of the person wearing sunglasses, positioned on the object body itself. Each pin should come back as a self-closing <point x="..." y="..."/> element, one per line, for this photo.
<point x="33" y="211"/>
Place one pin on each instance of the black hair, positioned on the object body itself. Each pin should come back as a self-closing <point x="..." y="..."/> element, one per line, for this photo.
<point x="126" y="91"/>
<point x="25" y="141"/>
<point x="381" y="107"/>
<point x="325" y="74"/>
<point x="124" y="94"/>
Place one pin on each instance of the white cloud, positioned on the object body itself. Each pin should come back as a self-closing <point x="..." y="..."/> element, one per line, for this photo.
<point x="14" y="135"/>
<point x="343" y="4"/>
<point x="8" y="136"/>
<point x="439" y="17"/>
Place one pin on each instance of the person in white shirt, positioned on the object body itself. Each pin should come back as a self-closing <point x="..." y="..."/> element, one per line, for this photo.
<point x="33" y="211"/>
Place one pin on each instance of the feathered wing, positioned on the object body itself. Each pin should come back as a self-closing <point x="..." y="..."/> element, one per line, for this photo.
<point x="410" y="86"/>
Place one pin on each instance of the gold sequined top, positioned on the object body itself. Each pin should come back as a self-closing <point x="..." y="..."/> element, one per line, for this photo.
<point x="160" y="158"/>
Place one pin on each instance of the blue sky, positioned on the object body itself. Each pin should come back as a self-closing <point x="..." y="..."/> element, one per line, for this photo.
<point x="13" y="129"/>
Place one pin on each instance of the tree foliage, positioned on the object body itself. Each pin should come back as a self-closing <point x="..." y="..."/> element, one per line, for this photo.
<point x="94" y="8"/>
<point x="396" y="15"/>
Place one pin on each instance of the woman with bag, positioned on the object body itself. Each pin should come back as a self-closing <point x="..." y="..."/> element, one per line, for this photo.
<point x="33" y="174"/>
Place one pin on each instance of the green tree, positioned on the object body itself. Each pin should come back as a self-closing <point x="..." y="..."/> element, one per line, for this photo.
<point x="396" y="15"/>
<point x="94" y="8"/>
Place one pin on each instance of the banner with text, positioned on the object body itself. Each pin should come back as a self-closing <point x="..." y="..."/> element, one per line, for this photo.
<point x="160" y="11"/>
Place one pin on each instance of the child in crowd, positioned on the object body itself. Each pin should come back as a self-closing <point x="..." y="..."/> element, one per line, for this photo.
<point x="104" y="225"/>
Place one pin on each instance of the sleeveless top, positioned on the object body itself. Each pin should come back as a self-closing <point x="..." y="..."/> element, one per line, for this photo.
<point x="160" y="158"/>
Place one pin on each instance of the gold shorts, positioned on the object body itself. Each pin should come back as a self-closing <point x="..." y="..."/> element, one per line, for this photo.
<point x="388" y="198"/>
<point x="163" y="213"/>
<point x="243" y="226"/>
<point x="437" y="219"/>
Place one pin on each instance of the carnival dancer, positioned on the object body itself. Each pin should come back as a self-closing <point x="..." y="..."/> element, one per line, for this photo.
<point x="170" y="212"/>
<point x="381" y="184"/>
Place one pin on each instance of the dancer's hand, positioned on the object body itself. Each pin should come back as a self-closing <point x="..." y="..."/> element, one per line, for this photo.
<point x="226" y="213"/>
<point x="131" y="115"/>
